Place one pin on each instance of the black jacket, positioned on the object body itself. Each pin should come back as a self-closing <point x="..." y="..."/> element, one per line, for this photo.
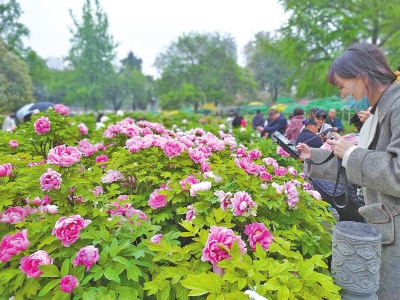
<point x="309" y="138"/>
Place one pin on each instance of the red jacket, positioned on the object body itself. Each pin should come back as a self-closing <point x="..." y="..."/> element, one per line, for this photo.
<point x="294" y="128"/>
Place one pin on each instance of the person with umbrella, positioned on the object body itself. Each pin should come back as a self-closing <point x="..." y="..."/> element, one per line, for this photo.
<point x="24" y="114"/>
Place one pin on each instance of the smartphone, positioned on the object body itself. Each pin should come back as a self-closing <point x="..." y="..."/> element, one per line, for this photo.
<point x="287" y="145"/>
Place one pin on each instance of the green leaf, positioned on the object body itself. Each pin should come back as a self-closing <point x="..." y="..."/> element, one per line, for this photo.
<point x="113" y="248"/>
<point x="64" y="268"/>
<point x="235" y="251"/>
<point x="163" y="294"/>
<point x="122" y="260"/>
<point x="203" y="284"/>
<point x="49" y="271"/>
<point x="48" y="287"/>
<point x="98" y="274"/>
<point x="110" y="274"/>
<point x="283" y="292"/>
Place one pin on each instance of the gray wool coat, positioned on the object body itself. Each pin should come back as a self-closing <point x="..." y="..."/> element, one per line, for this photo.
<point x="377" y="170"/>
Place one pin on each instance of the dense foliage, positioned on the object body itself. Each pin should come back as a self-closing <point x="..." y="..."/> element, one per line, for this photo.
<point x="137" y="211"/>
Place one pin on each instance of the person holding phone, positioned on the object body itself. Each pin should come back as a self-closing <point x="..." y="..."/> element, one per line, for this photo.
<point x="365" y="79"/>
<point x="320" y="117"/>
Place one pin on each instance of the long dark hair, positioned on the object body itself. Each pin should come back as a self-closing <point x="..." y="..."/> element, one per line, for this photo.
<point x="365" y="61"/>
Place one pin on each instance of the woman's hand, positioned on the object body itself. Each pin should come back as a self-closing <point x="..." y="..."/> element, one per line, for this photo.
<point x="305" y="151"/>
<point x="364" y="114"/>
<point x="340" y="145"/>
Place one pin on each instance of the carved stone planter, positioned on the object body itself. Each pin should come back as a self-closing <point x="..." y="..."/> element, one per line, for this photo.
<point x="356" y="258"/>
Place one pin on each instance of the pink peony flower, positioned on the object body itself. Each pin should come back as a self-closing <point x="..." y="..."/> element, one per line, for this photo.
<point x="87" y="256"/>
<point x="247" y="165"/>
<point x="196" y="155"/>
<point x="219" y="242"/>
<point x="101" y="158"/>
<point x="42" y="125"/>
<point x="213" y="176"/>
<point x="51" y="209"/>
<point x="83" y="129"/>
<point x="282" y="152"/>
<point x="68" y="283"/>
<point x="258" y="233"/>
<point x="199" y="187"/>
<point x="292" y="194"/>
<point x="306" y="186"/>
<point x="265" y="176"/>
<point x="13" y="215"/>
<point x="61" y="109"/>
<point x="279" y="188"/>
<point x="241" y="152"/>
<point x="292" y="171"/>
<point x="254" y="154"/>
<point x="191" y="213"/>
<point x="315" y="194"/>
<point x="13" y="144"/>
<point x="98" y="190"/>
<point x="5" y="170"/>
<point x="205" y="167"/>
<point x="302" y="175"/>
<point x="86" y="148"/>
<point x="63" y="156"/>
<point x="155" y="239"/>
<point x="280" y="171"/>
<point x="67" y="229"/>
<point x="13" y="244"/>
<point x="50" y="180"/>
<point x="156" y="200"/>
<point x="112" y="176"/>
<point x="242" y="204"/>
<point x="269" y="161"/>
<point x="173" y="148"/>
<point x="37" y="201"/>
<point x="187" y="182"/>
<point x="29" y="264"/>
<point x="224" y="198"/>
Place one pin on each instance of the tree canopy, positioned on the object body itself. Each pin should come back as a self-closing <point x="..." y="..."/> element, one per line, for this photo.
<point x="91" y="55"/>
<point x="15" y="83"/>
<point x="269" y="69"/>
<point x="198" y="68"/>
<point x="318" y="30"/>
<point x="11" y="30"/>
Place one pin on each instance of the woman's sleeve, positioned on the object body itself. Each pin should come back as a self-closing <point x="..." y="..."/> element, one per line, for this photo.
<point x="326" y="171"/>
<point x="379" y="170"/>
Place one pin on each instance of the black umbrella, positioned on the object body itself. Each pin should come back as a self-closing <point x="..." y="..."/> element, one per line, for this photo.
<point x="26" y="111"/>
<point x="41" y="106"/>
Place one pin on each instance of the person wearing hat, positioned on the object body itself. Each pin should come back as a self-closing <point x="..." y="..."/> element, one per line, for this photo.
<point x="309" y="135"/>
<point x="278" y="123"/>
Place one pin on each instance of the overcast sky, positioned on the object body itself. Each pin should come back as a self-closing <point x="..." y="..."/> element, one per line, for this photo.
<point x="148" y="26"/>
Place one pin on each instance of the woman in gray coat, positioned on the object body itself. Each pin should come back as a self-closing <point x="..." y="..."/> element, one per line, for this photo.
<point x="365" y="79"/>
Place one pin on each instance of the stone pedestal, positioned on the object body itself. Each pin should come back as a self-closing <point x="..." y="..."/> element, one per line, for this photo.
<point x="356" y="258"/>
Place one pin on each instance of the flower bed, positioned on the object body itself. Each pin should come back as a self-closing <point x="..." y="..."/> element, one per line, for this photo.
<point x="143" y="212"/>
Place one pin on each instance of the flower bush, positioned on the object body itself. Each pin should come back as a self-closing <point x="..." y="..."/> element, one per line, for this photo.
<point x="139" y="211"/>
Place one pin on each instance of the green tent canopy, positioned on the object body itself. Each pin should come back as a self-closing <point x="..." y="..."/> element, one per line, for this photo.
<point x="252" y="109"/>
<point x="291" y="107"/>
<point x="284" y="100"/>
<point x="326" y="103"/>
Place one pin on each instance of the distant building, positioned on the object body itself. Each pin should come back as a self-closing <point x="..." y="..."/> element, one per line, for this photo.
<point x="55" y="63"/>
